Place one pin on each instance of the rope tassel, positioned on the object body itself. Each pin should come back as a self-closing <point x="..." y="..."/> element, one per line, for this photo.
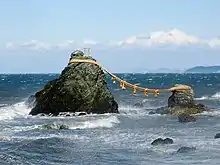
<point x="122" y="85"/>
<point x="156" y="92"/>
<point x="134" y="90"/>
<point x="114" y="80"/>
<point x="145" y="92"/>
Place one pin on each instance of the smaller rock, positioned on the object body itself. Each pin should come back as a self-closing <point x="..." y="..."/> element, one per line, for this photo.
<point x="81" y="114"/>
<point x="62" y="126"/>
<point x="168" y="141"/>
<point x="161" y="111"/>
<point x="161" y="141"/>
<point x="42" y="114"/>
<point x="186" y="149"/>
<point x="181" y="98"/>
<point x="217" y="136"/>
<point x="55" y="126"/>
<point x="185" y="118"/>
<point x="139" y="105"/>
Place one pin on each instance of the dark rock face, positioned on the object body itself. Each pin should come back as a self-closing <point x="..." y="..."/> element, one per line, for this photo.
<point x="183" y="99"/>
<point x="186" y="149"/>
<point x="185" y="118"/>
<point x="30" y="102"/>
<point x="161" y="141"/>
<point x="217" y="136"/>
<point x="81" y="87"/>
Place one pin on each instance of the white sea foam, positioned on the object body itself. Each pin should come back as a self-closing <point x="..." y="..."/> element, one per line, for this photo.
<point x="215" y="96"/>
<point x="13" y="111"/>
<point x="106" y="122"/>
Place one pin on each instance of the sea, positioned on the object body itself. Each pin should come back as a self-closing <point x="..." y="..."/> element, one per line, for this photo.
<point x="109" y="139"/>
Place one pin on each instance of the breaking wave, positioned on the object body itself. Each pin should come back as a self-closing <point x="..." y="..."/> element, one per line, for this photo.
<point x="212" y="97"/>
<point x="105" y="122"/>
<point x="13" y="111"/>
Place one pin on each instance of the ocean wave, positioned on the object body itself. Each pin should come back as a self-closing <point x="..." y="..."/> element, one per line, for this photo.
<point x="106" y="122"/>
<point x="215" y="96"/>
<point x="12" y="111"/>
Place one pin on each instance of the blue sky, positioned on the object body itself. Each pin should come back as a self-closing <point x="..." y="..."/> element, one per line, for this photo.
<point x="54" y="22"/>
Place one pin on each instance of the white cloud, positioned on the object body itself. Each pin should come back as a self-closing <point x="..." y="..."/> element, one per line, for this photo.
<point x="32" y="45"/>
<point x="90" y="42"/>
<point x="214" y="42"/>
<point x="9" y="45"/>
<point x="174" y="37"/>
<point x="67" y="44"/>
<point x="171" y="37"/>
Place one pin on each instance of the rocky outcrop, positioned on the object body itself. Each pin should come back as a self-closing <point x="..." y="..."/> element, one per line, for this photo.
<point x="81" y="87"/>
<point x="181" y="102"/>
<point x="181" y="98"/>
<point x="186" y="149"/>
<point x="161" y="141"/>
<point x="186" y="118"/>
<point x="217" y="136"/>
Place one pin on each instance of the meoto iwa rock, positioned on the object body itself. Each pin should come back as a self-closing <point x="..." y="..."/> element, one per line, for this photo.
<point x="81" y="87"/>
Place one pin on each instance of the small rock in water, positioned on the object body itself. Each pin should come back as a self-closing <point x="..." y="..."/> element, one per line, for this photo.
<point x="66" y="114"/>
<point x="186" y="149"/>
<point x="185" y="118"/>
<point x="42" y="114"/>
<point x="161" y="141"/>
<point x="63" y="126"/>
<point x="217" y="136"/>
<point x="81" y="113"/>
<point x="139" y="105"/>
<point x="55" y="126"/>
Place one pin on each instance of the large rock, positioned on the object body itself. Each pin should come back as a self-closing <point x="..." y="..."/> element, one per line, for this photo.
<point x="81" y="87"/>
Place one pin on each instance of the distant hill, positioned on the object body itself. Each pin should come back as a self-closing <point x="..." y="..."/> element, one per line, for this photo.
<point x="204" y="69"/>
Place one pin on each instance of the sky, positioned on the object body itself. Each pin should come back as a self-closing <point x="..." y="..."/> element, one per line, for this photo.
<point x="37" y="36"/>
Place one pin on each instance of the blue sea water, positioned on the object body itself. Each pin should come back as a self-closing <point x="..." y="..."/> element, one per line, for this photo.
<point x="109" y="139"/>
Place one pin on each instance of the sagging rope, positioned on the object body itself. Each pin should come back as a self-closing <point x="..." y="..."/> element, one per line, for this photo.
<point x="124" y="84"/>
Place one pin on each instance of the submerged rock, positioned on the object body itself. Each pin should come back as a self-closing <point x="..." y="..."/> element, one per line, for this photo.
<point x="186" y="149"/>
<point x="217" y="136"/>
<point x="161" y="141"/>
<point x="185" y="118"/>
<point x="81" y="87"/>
<point x="139" y="105"/>
<point x="54" y="126"/>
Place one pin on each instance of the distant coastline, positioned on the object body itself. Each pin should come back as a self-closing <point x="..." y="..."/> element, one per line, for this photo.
<point x="203" y="69"/>
<point x="193" y="70"/>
